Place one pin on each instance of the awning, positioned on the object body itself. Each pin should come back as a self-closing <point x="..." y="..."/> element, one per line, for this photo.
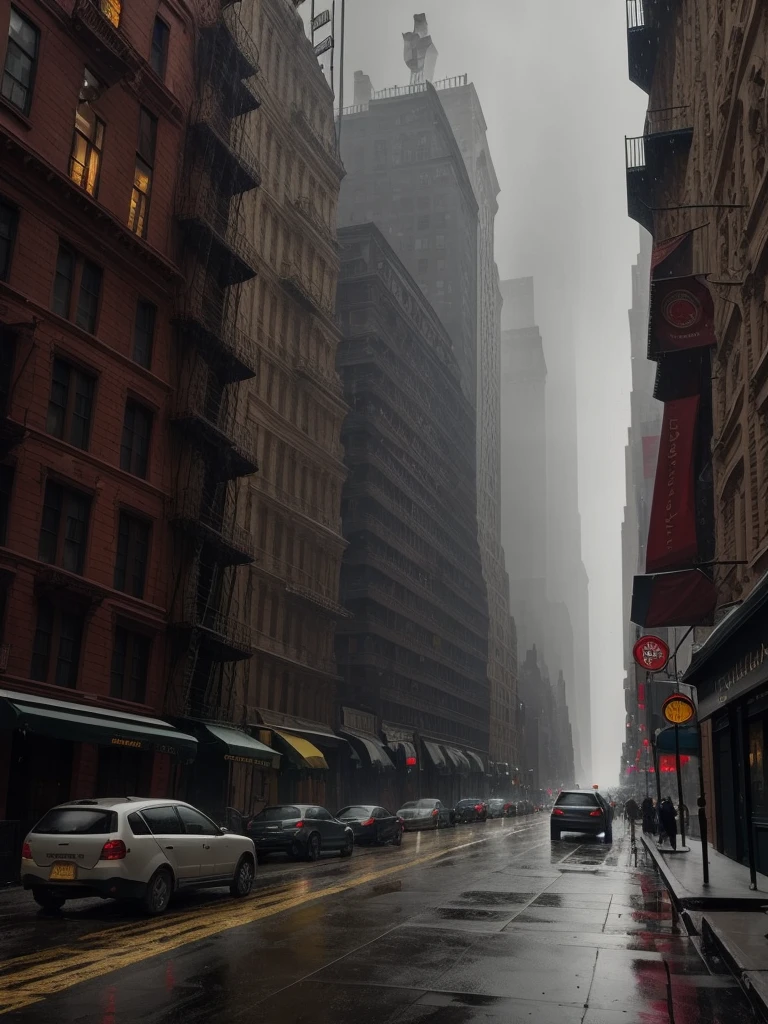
<point x="476" y="762"/>
<point x="65" y="720"/>
<point x="689" y="740"/>
<point x="301" y="751"/>
<point x="404" y="749"/>
<point x="303" y="726"/>
<point x="460" y="761"/>
<point x="684" y="598"/>
<point x="436" y="756"/>
<point x="374" y="748"/>
<point x="236" y="745"/>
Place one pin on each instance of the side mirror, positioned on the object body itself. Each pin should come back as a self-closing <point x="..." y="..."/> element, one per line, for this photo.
<point x="223" y="830"/>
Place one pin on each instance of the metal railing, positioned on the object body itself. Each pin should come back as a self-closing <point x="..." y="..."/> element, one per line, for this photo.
<point x="203" y="207"/>
<point x="100" y="19"/>
<point x="242" y="38"/>
<point x="302" y="655"/>
<point x="219" y="323"/>
<point x="307" y="209"/>
<point x="314" y="512"/>
<point x="192" y="403"/>
<point x="291" y="274"/>
<point x="328" y="381"/>
<point x="318" y="598"/>
<point x="634" y="153"/>
<point x="230" y="631"/>
<point x="229" y="133"/>
<point x="635" y="14"/>
<point x="667" y="119"/>
<point x="190" y="505"/>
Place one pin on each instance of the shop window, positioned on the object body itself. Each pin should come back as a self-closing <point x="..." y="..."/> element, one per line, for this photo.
<point x="134" y="449"/>
<point x="20" y="62"/>
<point x="9" y="217"/>
<point x="76" y="276"/>
<point x="142" y="176"/>
<point x="70" y="404"/>
<point x="144" y="332"/>
<point x="88" y="140"/>
<point x="6" y="486"/>
<point x="57" y="644"/>
<point x="130" y="665"/>
<point x="757" y="771"/>
<point x="158" y="57"/>
<point x="64" y="527"/>
<point x="132" y="551"/>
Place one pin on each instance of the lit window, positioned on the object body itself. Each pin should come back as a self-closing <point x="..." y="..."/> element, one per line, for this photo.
<point x="20" y="60"/>
<point x="111" y="9"/>
<point x="85" y="160"/>
<point x="142" y="175"/>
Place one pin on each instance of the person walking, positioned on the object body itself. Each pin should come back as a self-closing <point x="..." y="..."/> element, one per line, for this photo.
<point x="649" y="816"/>
<point x="667" y="816"/>
<point x="631" y="810"/>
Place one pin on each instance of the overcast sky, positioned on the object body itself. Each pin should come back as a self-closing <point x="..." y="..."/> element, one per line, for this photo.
<point x="552" y="78"/>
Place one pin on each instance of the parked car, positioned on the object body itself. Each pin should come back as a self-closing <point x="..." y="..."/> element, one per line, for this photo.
<point x="426" y="813"/>
<point x="302" y="831"/>
<point x="471" y="809"/>
<point x="372" y="824"/>
<point x="498" y="807"/>
<point x="581" y="810"/>
<point x="131" y="849"/>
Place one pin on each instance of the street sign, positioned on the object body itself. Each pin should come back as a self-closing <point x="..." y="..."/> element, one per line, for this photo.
<point x="651" y="653"/>
<point x="678" y="709"/>
<point x="320" y="20"/>
<point x="326" y="44"/>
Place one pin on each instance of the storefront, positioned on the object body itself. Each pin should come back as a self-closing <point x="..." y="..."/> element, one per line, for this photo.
<point x="368" y="780"/>
<point x="404" y="783"/>
<point x="730" y="673"/>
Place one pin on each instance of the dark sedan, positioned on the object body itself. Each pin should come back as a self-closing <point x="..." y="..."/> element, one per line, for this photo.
<point x="425" y="813"/>
<point x="581" y="810"/>
<point x="498" y="807"/>
<point x="303" y="831"/>
<point x="471" y="809"/>
<point x="372" y="824"/>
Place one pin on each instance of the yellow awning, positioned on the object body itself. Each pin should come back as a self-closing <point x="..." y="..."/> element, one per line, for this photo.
<point x="307" y="751"/>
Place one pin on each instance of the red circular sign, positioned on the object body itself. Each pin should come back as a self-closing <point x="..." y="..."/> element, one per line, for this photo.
<point x="651" y="653"/>
<point x="681" y="309"/>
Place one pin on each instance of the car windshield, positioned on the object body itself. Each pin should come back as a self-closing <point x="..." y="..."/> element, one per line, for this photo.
<point x="76" y="821"/>
<point x="354" y="812"/>
<point x="576" y="800"/>
<point x="468" y="802"/>
<point x="278" y="813"/>
<point x="424" y="803"/>
<point x="409" y="805"/>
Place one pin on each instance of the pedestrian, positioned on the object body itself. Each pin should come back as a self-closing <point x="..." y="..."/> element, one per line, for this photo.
<point x="631" y="810"/>
<point x="667" y="816"/>
<point x="649" y="817"/>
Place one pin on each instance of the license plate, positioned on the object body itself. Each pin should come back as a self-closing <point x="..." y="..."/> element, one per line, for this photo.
<point x="63" y="872"/>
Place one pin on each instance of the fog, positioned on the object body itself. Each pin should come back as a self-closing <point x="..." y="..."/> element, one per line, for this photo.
<point x="552" y="78"/>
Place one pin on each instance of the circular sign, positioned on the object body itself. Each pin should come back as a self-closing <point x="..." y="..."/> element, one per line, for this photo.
<point x="651" y="653"/>
<point x="678" y="709"/>
<point x="681" y="309"/>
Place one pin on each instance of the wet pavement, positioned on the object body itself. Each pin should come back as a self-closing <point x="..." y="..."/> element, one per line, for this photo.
<point x="485" y="923"/>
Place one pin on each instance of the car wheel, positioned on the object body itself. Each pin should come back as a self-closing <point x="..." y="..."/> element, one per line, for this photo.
<point x="242" y="883"/>
<point x="47" y="901"/>
<point x="313" y="847"/>
<point x="398" y="838"/>
<point x="159" y="890"/>
<point x="346" y="850"/>
<point x="554" y="833"/>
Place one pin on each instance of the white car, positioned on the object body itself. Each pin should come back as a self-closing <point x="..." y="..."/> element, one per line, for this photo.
<point x="132" y="849"/>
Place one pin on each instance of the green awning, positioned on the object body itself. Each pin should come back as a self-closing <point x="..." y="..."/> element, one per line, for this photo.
<point x="80" y="723"/>
<point x="236" y="745"/>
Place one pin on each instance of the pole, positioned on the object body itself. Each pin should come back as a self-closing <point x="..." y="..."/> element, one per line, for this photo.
<point x="656" y="771"/>
<point x="341" y="73"/>
<point x="679" y="786"/>
<point x="702" y="802"/>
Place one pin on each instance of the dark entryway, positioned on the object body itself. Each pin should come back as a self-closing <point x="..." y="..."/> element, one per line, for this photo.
<point x="124" y="772"/>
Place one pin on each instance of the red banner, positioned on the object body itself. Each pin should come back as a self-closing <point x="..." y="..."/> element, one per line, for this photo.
<point x="682" y="315"/>
<point x="679" y="246"/>
<point x="672" y="531"/>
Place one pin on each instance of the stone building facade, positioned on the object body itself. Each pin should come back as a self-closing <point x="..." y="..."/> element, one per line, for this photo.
<point x="413" y="654"/>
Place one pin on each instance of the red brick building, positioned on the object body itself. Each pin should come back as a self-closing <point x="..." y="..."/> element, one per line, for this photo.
<point x="93" y="111"/>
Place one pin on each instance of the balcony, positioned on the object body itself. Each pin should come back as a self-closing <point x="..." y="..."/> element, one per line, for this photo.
<point x="213" y="330"/>
<point x="305" y="206"/>
<point x="327" y="381"/>
<point x="214" y="527"/>
<point x="666" y="138"/>
<point x="207" y="226"/>
<point x="315" y="596"/>
<point x="307" y="295"/>
<point x="228" y="140"/>
<point x="109" y="54"/>
<point x="234" y="444"/>
<point x="235" y="44"/>
<point x="221" y="636"/>
<point x="642" y="42"/>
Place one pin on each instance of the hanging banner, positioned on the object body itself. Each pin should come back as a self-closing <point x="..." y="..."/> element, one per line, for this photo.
<point x="683" y="598"/>
<point x="672" y="530"/>
<point x="673" y="257"/>
<point x="682" y="315"/>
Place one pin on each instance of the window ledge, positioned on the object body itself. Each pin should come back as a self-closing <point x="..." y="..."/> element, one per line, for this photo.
<point x="15" y="113"/>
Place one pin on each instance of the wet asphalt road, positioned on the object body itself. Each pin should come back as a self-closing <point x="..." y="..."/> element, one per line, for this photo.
<point x="484" y="923"/>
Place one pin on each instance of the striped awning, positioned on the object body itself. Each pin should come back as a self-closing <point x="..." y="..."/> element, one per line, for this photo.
<point x="459" y="761"/>
<point x="436" y="755"/>
<point x="476" y="762"/>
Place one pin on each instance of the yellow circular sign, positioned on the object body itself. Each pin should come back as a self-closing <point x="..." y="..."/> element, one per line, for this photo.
<point x="678" y="709"/>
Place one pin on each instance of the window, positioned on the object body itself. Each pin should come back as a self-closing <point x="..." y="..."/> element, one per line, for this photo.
<point x="440" y="242"/>
<point x="422" y="223"/>
<point x="6" y="486"/>
<point x="9" y="216"/>
<point x="158" y="56"/>
<point x="423" y="266"/>
<point x="76" y="821"/>
<point x="130" y="665"/>
<point x="142" y="177"/>
<point x="74" y="273"/>
<point x="164" y="821"/>
<point x="85" y="159"/>
<point x="64" y="527"/>
<point x="132" y="549"/>
<point x="144" y="332"/>
<point x="139" y="827"/>
<point x="134" y="450"/>
<point x="196" y="824"/>
<point x="70" y="404"/>
<point x="379" y="152"/>
<point x="111" y="9"/>
<point x="20" y="60"/>
<point x="56" y="650"/>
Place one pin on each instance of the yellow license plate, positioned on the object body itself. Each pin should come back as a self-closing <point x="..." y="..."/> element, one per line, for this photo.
<point x="63" y="872"/>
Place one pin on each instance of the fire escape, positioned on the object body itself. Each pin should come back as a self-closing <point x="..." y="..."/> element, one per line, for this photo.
<point x="216" y="447"/>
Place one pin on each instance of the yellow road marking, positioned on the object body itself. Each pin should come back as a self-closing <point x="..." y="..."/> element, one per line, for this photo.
<point x="29" y="979"/>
